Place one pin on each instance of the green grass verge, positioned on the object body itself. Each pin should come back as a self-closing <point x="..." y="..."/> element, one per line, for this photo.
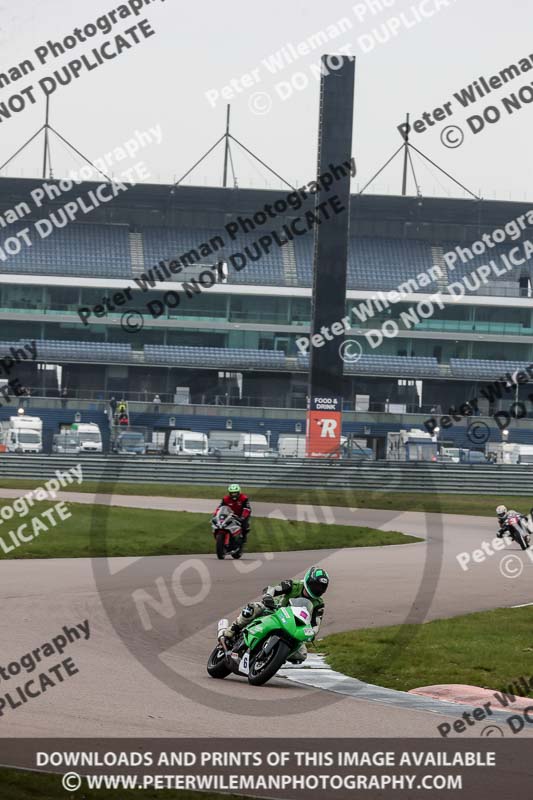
<point x="476" y="504"/>
<point x="15" y="785"/>
<point x="491" y="649"/>
<point x="143" y="532"/>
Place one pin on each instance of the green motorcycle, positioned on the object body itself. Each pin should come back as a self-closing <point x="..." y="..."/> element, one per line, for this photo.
<point x="265" y="644"/>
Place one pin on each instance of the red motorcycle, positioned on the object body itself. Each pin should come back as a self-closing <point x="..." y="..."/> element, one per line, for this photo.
<point x="227" y="530"/>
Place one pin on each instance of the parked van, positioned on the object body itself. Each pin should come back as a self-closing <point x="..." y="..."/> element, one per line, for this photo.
<point x="233" y="443"/>
<point x="66" y="442"/>
<point x="187" y="443"/>
<point x="292" y="445"/>
<point x="253" y="445"/>
<point x="130" y="443"/>
<point x="89" y="437"/>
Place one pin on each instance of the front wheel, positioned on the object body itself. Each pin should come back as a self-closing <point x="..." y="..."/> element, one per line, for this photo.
<point x="522" y="541"/>
<point x="263" y="667"/>
<point x="216" y="663"/>
<point x="520" y="538"/>
<point x="220" y="546"/>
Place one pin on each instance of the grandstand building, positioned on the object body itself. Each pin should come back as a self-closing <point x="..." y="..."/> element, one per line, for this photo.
<point x="232" y="334"/>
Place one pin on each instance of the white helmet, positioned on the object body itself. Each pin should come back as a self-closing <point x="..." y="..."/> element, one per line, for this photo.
<point x="501" y="511"/>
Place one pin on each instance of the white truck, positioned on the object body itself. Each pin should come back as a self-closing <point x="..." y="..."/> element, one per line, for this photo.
<point x="22" y="434"/>
<point x="89" y="437"/>
<point x="187" y="443"/>
<point x="525" y="453"/>
<point x="412" y="445"/>
<point x="292" y="445"/>
<point x="503" y="452"/>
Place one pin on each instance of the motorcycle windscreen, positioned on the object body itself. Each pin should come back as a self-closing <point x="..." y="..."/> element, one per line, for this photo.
<point x="302" y="608"/>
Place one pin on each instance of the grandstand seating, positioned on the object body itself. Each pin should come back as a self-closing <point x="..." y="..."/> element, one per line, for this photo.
<point x="170" y="243"/>
<point x="166" y="244"/>
<point x="374" y="263"/>
<point x="506" y="284"/>
<point x="478" y="368"/>
<point x="77" y="351"/>
<point x="77" y="250"/>
<point x="213" y="356"/>
<point x="268" y="270"/>
<point x="416" y="366"/>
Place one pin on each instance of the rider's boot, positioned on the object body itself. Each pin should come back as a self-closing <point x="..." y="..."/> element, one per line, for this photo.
<point x="232" y="632"/>
<point x="248" y="613"/>
<point x="299" y="656"/>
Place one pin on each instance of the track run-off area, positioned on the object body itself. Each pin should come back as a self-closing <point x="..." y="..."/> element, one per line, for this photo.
<point x="117" y="690"/>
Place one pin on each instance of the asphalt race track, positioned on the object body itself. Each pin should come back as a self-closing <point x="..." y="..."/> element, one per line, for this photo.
<point x="123" y="686"/>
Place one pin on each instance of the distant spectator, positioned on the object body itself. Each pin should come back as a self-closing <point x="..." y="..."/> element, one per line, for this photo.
<point x="123" y="419"/>
<point x="64" y="397"/>
<point x="433" y="410"/>
<point x="113" y="405"/>
<point x="157" y="402"/>
<point x="122" y="407"/>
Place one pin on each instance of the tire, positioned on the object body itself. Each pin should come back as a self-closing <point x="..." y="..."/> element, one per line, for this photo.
<point x="220" y="546"/>
<point x="277" y="658"/>
<point x="216" y="667"/>
<point x="519" y="538"/>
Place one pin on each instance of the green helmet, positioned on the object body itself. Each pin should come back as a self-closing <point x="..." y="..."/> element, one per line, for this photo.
<point x="316" y="581"/>
<point x="234" y="489"/>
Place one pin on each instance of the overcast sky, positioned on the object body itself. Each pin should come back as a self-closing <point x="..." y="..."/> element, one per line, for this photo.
<point x="202" y="46"/>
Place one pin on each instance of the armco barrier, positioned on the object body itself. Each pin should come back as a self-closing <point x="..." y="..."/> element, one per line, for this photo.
<point x="289" y="473"/>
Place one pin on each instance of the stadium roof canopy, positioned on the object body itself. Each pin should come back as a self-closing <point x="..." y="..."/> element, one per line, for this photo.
<point x="162" y="204"/>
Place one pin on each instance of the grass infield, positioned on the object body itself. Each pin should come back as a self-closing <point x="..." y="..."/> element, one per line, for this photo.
<point x="98" y="530"/>
<point x="18" y="785"/>
<point x="491" y="649"/>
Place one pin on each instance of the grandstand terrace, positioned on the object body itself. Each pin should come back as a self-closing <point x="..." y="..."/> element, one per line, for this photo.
<point x="235" y="341"/>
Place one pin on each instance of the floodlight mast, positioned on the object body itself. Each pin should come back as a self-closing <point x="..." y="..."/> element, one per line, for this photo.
<point x="46" y="155"/>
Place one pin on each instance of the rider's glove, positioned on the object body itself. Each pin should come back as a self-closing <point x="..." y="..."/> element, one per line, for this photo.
<point x="268" y="602"/>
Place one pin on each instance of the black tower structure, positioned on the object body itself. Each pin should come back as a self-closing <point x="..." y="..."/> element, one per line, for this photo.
<point x="331" y="236"/>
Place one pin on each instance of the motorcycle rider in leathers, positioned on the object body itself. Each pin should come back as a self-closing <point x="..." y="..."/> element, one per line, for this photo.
<point x="240" y="505"/>
<point x="526" y="522"/>
<point x="312" y="587"/>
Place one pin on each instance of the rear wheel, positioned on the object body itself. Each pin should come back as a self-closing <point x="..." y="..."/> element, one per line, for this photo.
<point x="220" y="545"/>
<point x="216" y="663"/>
<point x="264" y="666"/>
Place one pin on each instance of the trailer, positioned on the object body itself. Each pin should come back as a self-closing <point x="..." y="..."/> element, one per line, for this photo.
<point x="411" y="445"/>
